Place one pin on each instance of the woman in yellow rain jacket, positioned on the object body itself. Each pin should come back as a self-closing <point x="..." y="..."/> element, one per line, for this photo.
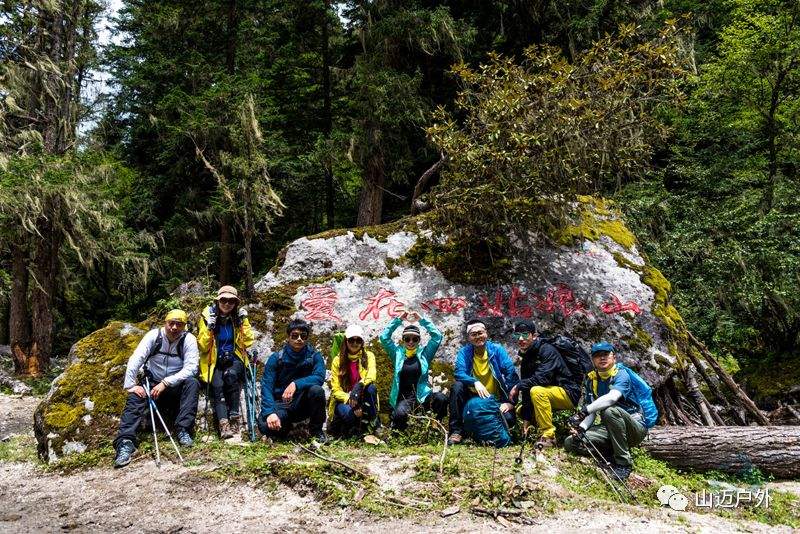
<point x="353" y="393"/>
<point x="223" y="337"/>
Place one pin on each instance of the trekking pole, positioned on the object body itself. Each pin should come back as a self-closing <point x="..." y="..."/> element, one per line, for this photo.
<point x="604" y="468"/>
<point x="518" y="459"/>
<point x="153" y="408"/>
<point x="208" y="384"/>
<point x="152" y="419"/>
<point x="250" y="395"/>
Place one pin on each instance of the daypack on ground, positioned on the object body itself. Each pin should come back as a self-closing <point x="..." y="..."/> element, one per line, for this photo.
<point x="575" y="356"/>
<point x="644" y="396"/>
<point x="482" y="421"/>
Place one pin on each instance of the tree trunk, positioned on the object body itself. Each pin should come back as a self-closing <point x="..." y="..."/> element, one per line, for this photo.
<point x="249" y="287"/>
<point x="5" y="308"/>
<point x="19" y="321"/>
<point x="775" y="450"/>
<point x="370" y="205"/>
<point x="225" y="252"/>
<point x="327" y="116"/>
<point x="45" y="270"/>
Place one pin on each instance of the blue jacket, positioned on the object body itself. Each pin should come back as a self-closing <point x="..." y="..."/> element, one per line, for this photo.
<point x="502" y="367"/>
<point x="397" y="354"/>
<point x="305" y="368"/>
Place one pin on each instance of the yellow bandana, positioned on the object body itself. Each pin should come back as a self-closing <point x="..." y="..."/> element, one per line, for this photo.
<point x="410" y="352"/>
<point x="604" y="375"/>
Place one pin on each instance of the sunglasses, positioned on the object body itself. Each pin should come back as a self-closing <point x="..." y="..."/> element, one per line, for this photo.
<point x="179" y="324"/>
<point x="228" y="301"/>
<point x="411" y="339"/>
<point x="299" y="335"/>
<point x="522" y="335"/>
<point x="355" y="340"/>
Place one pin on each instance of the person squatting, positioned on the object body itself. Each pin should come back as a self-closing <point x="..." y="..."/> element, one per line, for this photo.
<point x="611" y="407"/>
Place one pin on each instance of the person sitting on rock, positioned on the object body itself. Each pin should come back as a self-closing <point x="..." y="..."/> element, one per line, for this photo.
<point x="354" y="396"/>
<point x="482" y="368"/>
<point x="223" y="337"/>
<point x="608" y="392"/>
<point x="410" y="387"/>
<point x="546" y="383"/>
<point x="169" y="358"/>
<point x="291" y="386"/>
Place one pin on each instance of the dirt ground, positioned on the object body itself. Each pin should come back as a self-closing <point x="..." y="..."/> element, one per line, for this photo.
<point x="144" y="498"/>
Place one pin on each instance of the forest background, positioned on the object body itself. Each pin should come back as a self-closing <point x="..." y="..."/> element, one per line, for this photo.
<point x="233" y="127"/>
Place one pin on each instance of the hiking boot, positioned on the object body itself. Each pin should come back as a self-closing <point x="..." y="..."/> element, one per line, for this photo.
<point x="454" y="439"/>
<point x="184" y="438"/>
<point x="545" y="443"/>
<point x="620" y="471"/>
<point x="236" y="424"/>
<point x="321" y="437"/>
<point x="125" y="451"/>
<point x="225" y="431"/>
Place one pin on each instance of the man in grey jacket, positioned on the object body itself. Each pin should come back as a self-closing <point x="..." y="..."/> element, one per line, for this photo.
<point x="169" y="357"/>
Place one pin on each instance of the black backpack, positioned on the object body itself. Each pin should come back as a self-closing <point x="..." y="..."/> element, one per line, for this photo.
<point x="577" y="359"/>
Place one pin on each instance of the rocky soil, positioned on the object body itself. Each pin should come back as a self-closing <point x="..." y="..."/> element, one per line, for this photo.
<point x="144" y="498"/>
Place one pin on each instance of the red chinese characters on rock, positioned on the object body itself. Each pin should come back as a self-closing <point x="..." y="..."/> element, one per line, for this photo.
<point x="617" y="306"/>
<point x="383" y="300"/>
<point x="319" y="303"/>
<point x="445" y="305"/>
<point x="560" y="298"/>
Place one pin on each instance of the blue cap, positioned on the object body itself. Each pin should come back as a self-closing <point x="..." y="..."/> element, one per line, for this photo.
<point x="603" y="346"/>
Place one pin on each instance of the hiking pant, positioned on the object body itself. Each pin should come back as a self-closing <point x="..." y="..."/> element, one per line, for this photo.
<point x="345" y="422"/>
<point x="545" y="399"/>
<point x="226" y="389"/>
<point x="435" y="401"/>
<point x="308" y="404"/>
<point x="182" y="397"/>
<point x="459" y="395"/>
<point x="617" y="432"/>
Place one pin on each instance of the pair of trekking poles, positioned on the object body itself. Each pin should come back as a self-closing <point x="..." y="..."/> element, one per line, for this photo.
<point x="618" y="486"/>
<point x="251" y="396"/>
<point x="251" y="405"/>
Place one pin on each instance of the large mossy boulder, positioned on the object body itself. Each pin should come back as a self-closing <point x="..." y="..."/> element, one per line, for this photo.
<point x="589" y="280"/>
<point x="83" y="406"/>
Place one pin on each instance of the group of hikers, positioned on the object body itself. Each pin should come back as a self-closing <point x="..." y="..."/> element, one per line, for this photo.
<point x="555" y="374"/>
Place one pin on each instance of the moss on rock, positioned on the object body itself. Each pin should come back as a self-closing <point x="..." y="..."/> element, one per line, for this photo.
<point x="91" y="386"/>
<point x="596" y="219"/>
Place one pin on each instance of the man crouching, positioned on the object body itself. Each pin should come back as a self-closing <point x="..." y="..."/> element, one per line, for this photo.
<point x="169" y="357"/>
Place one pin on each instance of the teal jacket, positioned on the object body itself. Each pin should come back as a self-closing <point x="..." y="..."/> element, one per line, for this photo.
<point x="397" y="354"/>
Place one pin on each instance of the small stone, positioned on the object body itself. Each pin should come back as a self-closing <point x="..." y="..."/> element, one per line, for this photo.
<point x="452" y="510"/>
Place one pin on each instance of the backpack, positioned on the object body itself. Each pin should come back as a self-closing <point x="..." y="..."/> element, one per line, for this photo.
<point x="644" y="396"/>
<point x="574" y="355"/>
<point x="483" y="421"/>
<point x="156" y="348"/>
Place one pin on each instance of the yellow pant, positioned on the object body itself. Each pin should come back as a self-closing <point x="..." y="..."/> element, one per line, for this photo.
<point x="545" y="400"/>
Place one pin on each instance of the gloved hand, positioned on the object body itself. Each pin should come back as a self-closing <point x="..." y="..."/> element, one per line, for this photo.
<point x="577" y="418"/>
<point x="242" y="313"/>
<point x="211" y="323"/>
<point x="356" y="393"/>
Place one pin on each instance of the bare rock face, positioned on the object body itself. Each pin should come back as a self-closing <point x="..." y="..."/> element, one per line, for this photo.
<point x="590" y="281"/>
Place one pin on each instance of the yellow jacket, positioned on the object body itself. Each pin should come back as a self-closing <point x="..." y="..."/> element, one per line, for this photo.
<point x="242" y="338"/>
<point x="368" y="374"/>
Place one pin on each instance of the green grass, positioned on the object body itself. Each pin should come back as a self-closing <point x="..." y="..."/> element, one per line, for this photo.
<point x="18" y="448"/>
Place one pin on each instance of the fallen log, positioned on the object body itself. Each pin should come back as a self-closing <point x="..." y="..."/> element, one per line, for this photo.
<point x="774" y="450"/>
